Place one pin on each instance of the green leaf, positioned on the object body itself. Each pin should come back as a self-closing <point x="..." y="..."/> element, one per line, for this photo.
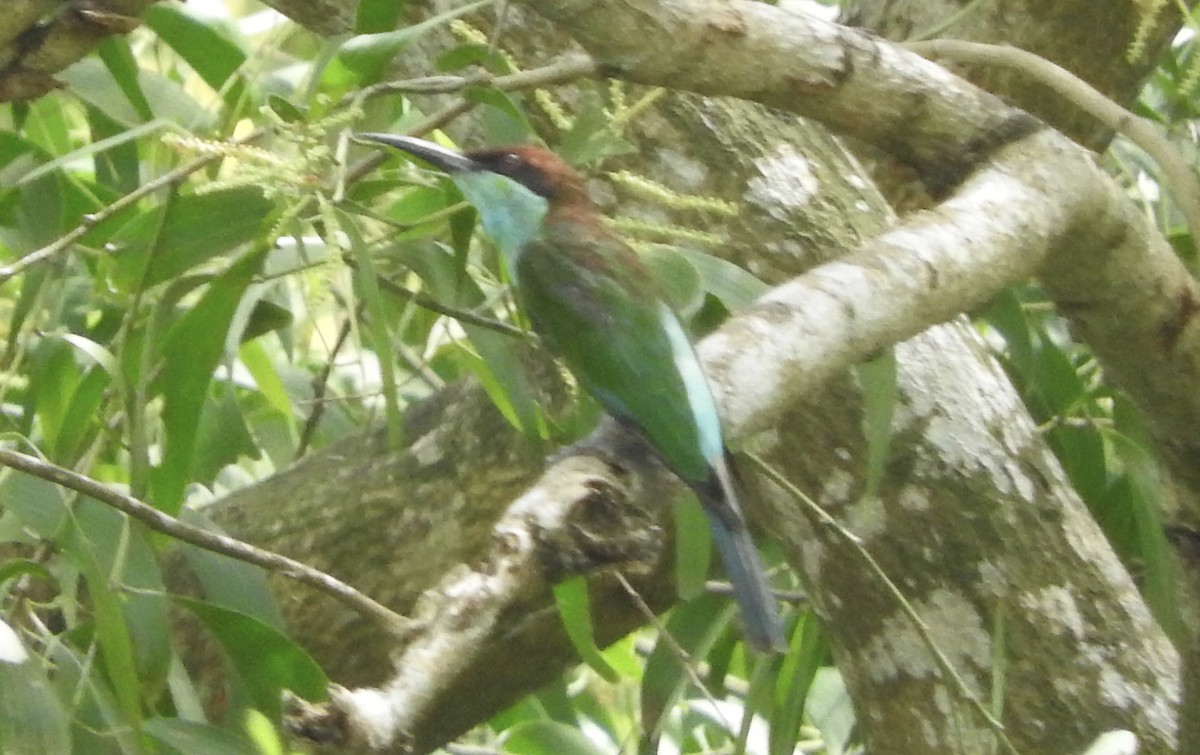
<point x="1007" y="317"/>
<point x="591" y="138"/>
<point x="40" y="215"/>
<point x="40" y="505"/>
<point x="222" y="437"/>
<point x="495" y="389"/>
<point x="229" y="582"/>
<point x="93" y="83"/>
<point x="1159" y="579"/>
<point x="96" y="353"/>
<point x="193" y="736"/>
<point x="191" y="350"/>
<point x="1056" y="377"/>
<point x="805" y="657"/>
<point x="506" y="373"/>
<point x="1082" y="453"/>
<point x="123" y="553"/>
<point x="22" y="567"/>
<point x="498" y="365"/>
<point x="262" y="732"/>
<point x="287" y="112"/>
<point x="571" y="597"/>
<point x="378" y="331"/>
<point x="207" y="46"/>
<point x="677" y="278"/>
<point x="84" y="415"/>
<point x="32" y="719"/>
<point x="254" y="356"/>
<point x="462" y="56"/>
<point x="511" y="127"/>
<point x="55" y="375"/>
<point x="377" y="16"/>
<point x="196" y="228"/>
<point x="118" y="59"/>
<point x="693" y="548"/>
<point x="171" y="101"/>
<point x="416" y="204"/>
<point x="266" y="660"/>
<point x="736" y="288"/>
<point x="367" y="55"/>
<point x="550" y="738"/>
<point x="266" y="317"/>
<point x="99" y="725"/>
<point x="119" y="168"/>
<point x="112" y="631"/>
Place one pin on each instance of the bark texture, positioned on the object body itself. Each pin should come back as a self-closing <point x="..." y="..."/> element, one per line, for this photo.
<point x="1094" y="41"/>
<point x="39" y="38"/>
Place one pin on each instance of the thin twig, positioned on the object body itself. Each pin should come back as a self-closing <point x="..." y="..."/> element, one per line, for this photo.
<point x="201" y="538"/>
<point x="1177" y="173"/>
<point x="823" y="518"/>
<point x="567" y="69"/>
<point x="464" y="316"/>
<point x="320" y="385"/>
<point x="681" y="655"/>
<point x="560" y="71"/>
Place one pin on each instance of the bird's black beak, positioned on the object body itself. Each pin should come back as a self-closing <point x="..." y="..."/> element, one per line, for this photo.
<point x="434" y="154"/>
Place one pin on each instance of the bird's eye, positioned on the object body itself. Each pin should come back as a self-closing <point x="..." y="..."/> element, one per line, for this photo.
<point x="510" y="161"/>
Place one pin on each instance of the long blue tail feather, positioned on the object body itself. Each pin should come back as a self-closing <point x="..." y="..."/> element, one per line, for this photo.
<point x="760" y="615"/>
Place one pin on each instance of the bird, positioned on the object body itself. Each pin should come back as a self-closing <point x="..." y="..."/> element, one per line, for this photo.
<point x="592" y="300"/>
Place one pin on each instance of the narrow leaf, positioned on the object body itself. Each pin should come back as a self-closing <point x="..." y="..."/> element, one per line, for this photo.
<point x="693" y="548"/>
<point x="191" y="351"/>
<point x="800" y="666"/>
<point x="735" y="287"/>
<point x="267" y="661"/>
<point x="193" y="736"/>
<point x="119" y="59"/>
<point x="571" y="597"/>
<point x="549" y="738"/>
<point x="208" y="49"/>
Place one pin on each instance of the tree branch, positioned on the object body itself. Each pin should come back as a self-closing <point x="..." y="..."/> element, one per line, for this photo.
<point x="1180" y="176"/>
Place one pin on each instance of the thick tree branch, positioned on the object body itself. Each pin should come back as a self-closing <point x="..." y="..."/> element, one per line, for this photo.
<point x="31" y="53"/>
<point x="993" y="233"/>
<point x="920" y="113"/>
<point x="1179" y="176"/>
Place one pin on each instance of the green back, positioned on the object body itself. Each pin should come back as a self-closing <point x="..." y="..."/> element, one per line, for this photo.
<point x="596" y="305"/>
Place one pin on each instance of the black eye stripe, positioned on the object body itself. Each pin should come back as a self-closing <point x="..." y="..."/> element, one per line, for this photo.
<point x="517" y="167"/>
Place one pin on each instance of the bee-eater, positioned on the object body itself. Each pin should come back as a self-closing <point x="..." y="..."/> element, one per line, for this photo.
<point x="595" y="304"/>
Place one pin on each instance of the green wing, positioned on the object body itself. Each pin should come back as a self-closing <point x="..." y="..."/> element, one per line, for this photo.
<point x="594" y="304"/>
